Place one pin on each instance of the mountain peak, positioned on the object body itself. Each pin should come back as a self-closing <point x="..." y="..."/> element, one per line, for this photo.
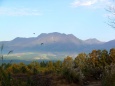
<point x="93" y="41"/>
<point x="57" y="37"/>
<point x="18" y="39"/>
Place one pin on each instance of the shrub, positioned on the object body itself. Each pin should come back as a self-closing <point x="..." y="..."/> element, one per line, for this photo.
<point x="108" y="78"/>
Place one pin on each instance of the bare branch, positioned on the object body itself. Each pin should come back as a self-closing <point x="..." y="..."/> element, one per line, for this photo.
<point x="111" y="17"/>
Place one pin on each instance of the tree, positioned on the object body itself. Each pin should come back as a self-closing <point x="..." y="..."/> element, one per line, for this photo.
<point x="58" y="65"/>
<point x="42" y="64"/>
<point x="50" y="67"/>
<point x="23" y="68"/>
<point x="112" y="54"/>
<point x="94" y="56"/>
<point x="111" y="16"/>
<point x="80" y="60"/>
<point x="68" y="70"/>
<point x="34" y="67"/>
<point x="68" y="62"/>
<point x="104" y="58"/>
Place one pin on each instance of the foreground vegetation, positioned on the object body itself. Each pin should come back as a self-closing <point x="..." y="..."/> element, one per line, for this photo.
<point x="97" y="66"/>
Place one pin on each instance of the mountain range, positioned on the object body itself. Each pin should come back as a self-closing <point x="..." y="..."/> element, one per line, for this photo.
<point x="55" y="42"/>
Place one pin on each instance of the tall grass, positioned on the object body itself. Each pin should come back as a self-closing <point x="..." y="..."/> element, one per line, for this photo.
<point x="5" y="78"/>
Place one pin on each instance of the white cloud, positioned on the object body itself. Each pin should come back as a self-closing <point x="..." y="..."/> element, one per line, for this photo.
<point x="19" y="12"/>
<point x="100" y="3"/>
<point x="83" y="3"/>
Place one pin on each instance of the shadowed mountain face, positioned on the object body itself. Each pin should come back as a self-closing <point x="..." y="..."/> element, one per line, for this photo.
<point x="56" y="42"/>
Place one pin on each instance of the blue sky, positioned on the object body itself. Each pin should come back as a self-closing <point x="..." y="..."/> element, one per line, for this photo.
<point x="83" y="18"/>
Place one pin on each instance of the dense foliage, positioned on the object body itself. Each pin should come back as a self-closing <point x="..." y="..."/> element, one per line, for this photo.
<point x="99" y="65"/>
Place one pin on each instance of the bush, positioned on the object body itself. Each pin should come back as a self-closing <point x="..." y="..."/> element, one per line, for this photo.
<point x="108" y="78"/>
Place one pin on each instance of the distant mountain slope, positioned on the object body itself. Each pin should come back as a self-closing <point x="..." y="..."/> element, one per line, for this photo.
<point x="93" y="41"/>
<point x="108" y="45"/>
<point x="56" y="42"/>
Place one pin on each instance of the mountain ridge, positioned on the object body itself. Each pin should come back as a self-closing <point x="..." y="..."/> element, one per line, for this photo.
<point x="56" y="42"/>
